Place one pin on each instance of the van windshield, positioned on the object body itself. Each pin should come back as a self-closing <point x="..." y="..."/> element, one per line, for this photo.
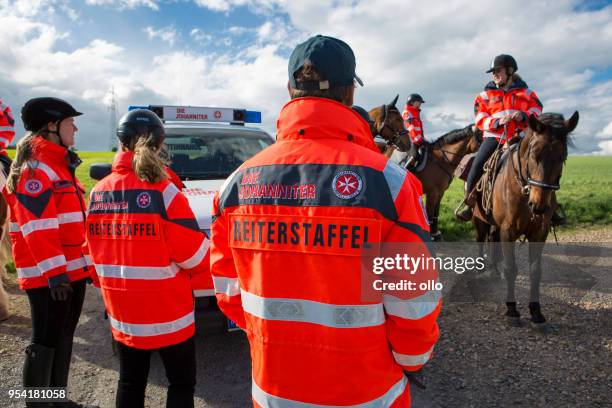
<point x="213" y="155"/>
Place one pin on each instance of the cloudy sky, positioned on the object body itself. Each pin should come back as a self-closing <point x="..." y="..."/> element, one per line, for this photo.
<point x="233" y="53"/>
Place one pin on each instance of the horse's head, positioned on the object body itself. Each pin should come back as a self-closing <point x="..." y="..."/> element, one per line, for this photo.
<point x="545" y="150"/>
<point x="389" y="125"/>
<point x="475" y="139"/>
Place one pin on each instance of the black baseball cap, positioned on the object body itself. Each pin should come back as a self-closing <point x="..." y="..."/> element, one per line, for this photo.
<point x="332" y="58"/>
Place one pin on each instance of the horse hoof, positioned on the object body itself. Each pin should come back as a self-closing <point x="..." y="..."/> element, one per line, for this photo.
<point x="514" y="321"/>
<point x="540" y="328"/>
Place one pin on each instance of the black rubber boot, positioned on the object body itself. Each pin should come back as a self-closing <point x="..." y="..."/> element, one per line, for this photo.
<point x="37" y="369"/>
<point x="558" y="217"/>
<point x="61" y="363"/>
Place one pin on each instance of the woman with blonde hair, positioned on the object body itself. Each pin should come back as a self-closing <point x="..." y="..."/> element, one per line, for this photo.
<point x="145" y="244"/>
<point x="47" y="214"/>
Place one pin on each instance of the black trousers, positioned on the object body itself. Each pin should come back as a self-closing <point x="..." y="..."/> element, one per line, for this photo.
<point x="53" y="325"/>
<point x="180" y="364"/>
<point x="488" y="146"/>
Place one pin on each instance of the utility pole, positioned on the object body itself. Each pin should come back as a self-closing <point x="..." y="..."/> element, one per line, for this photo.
<point x="112" y="108"/>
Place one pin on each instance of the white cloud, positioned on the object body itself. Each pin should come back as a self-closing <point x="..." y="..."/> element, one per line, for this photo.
<point x="125" y="4"/>
<point x="238" y="30"/>
<point x="200" y="36"/>
<point x="605" y="147"/>
<point x="168" y="34"/>
<point x="256" y="6"/>
<point x="606" y="132"/>
<point x="440" y="50"/>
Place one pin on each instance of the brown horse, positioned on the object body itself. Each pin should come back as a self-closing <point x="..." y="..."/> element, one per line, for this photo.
<point x="389" y="125"/>
<point x="523" y="201"/>
<point x="444" y="155"/>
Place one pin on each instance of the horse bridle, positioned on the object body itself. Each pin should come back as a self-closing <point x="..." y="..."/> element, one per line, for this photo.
<point x="395" y="139"/>
<point x="526" y="184"/>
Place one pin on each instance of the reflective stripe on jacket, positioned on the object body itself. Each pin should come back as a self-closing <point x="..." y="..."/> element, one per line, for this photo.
<point x="494" y="103"/>
<point x="47" y="215"/>
<point x="287" y="234"/>
<point x="145" y="244"/>
<point x="413" y="123"/>
<point x="7" y="126"/>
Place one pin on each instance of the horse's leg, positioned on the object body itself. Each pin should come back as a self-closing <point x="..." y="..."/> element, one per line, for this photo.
<point x="432" y="206"/>
<point x="535" y="275"/>
<point x="482" y="232"/>
<point x="510" y="271"/>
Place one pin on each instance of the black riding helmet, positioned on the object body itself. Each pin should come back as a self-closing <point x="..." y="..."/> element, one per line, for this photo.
<point x="37" y="112"/>
<point x="415" y="98"/>
<point x="503" y="61"/>
<point x="140" y="122"/>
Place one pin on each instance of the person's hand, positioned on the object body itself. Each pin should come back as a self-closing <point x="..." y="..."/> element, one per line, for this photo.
<point x="505" y="119"/>
<point x="60" y="288"/>
<point x="414" y="378"/>
<point x="519" y="116"/>
<point x="61" y="293"/>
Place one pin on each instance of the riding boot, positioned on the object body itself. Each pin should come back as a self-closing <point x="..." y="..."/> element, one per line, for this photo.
<point x="558" y="217"/>
<point x="61" y="363"/>
<point x="413" y="157"/>
<point x="464" y="211"/>
<point x="37" y="369"/>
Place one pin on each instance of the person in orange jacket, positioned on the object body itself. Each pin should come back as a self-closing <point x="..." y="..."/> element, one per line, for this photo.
<point x="289" y="227"/>
<point x="145" y="244"/>
<point x="414" y="125"/>
<point x="7" y="133"/>
<point x="47" y="230"/>
<point x="502" y="110"/>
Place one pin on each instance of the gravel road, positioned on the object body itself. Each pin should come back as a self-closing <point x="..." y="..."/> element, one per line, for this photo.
<point x="479" y="361"/>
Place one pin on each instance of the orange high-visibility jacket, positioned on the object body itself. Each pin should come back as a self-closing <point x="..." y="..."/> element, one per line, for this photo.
<point x="7" y="126"/>
<point x="494" y="103"/>
<point x="287" y="234"/>
<point x="145" y="243"/>
<point x="47" y="215"/>
<point x="413" y="123"/>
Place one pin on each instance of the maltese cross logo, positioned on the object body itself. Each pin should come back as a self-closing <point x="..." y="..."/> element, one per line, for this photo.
<point x="347" y="184"/>
<point x="143" y="200"/>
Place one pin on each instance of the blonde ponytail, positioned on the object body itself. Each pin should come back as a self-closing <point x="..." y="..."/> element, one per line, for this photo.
<point x="147" y="163"/>
<point x="23" y="153"/>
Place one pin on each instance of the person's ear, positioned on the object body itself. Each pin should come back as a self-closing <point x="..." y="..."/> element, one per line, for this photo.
<point x="349" y="96"/>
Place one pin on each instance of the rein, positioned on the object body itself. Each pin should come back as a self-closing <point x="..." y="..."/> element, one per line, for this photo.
<point x="446" y="159"/>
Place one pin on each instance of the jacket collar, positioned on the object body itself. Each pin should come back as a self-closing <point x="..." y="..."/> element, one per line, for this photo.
<point x="518" y="83"/>
<point x="412" y="109"/>
<point x="123" y="162"/>
<point x="322" y="118"/>
<point x="52" y="153"/>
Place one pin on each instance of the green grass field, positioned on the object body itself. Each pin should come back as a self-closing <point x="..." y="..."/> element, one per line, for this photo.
<point x="586" y="193"/>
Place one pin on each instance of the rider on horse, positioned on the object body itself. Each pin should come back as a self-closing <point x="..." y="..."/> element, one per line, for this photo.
<point x="501" y="111"/>
<point x="414" y="125"/>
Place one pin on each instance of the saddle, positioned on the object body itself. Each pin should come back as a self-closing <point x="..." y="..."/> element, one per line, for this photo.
<point x="492" y="167"/>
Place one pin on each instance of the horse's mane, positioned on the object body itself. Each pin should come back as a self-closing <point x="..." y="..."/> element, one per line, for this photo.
<point x="557" y="127"/>
<point x="453" y="136"/>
